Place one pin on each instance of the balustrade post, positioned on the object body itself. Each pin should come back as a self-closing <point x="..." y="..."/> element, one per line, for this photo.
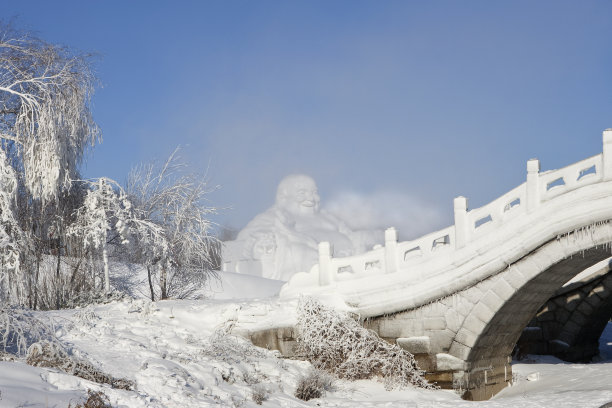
<point x="461" y="223"/>
<point x="325" y="270"/>
<point x="607" y="154"/>
<point x="533" y="184"/>
<point x="391" y="250"/>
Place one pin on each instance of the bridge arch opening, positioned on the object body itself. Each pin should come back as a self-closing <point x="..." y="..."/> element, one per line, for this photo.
<point x="570" y="323"/>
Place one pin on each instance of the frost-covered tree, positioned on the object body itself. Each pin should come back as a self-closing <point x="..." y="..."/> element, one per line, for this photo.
<point x="45" y="117"/>
<point x="176" y="200"/>
<point x="13" y="241"/>
<point x="45" y="128"/>
<point x="104" y="210"/>
<point x="107" y="216"/>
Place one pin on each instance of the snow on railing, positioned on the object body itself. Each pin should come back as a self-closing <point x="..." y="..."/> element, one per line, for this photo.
<point x="426" y="247"/>
<point x="469" y="224"/>
<point x="554" y="183"/>
<point x="482" y="220"/>
<point x="336" y="269"/>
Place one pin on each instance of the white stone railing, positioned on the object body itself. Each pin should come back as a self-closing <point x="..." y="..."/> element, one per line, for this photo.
<point x="470" y="225"/>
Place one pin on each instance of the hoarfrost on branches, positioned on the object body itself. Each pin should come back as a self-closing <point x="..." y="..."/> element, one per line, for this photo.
<point x="9" y="225"/>
<point x="45" y="117"/>
<point x="54" y="228"/>
<point x="335" y="342"/>
<point x="50" y="354"/>
<point x="107" y="210"/>
<point x="176" y="201"/>
<point x="45" y="127"/>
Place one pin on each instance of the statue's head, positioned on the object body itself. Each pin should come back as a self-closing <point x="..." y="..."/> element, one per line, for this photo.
<point x="297" y="194"/>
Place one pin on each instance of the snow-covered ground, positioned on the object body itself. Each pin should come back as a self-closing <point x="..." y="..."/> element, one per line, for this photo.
<point x="178" y="354"/>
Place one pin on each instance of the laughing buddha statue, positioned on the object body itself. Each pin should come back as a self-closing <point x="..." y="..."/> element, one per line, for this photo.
<point x="283" y="240"/>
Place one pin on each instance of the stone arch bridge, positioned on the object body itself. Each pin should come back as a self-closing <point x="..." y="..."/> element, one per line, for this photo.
<point x="460" y="298"/>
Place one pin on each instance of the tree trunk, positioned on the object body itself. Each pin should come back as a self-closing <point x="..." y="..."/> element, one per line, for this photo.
<point x="150" y="283"/>
<point x="30" y="290"/>
<point x="106" y="274"/>
<point x="93" y="271"/>
<point x="57" y="277"/>
<point x="74" y="288"/>
<point x="163" y="278"/>
<point x="36" y="280"/>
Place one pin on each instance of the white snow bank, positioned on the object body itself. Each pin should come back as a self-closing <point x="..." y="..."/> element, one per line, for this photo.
<point x="24" y="385"/>
<point x="178" y="357"/>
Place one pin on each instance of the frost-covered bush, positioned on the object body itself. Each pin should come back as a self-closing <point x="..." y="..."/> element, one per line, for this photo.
<point x="259" y="393"/>
<point x="257" y="371"/>
<point x="335" y="342"/>
<point x="314" y="384"/>
<point x="231" y="349"/>
<point x="19" y="329"/>
<point x="95" y="399"/>
<point x="96" y="297"/>
<point x="46" y="354"/>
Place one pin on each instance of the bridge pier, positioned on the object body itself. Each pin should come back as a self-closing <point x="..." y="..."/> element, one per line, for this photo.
<point x="486" y="378"/>
<point x="476" y="380"/>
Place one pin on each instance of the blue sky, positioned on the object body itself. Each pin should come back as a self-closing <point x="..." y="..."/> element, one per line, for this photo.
<point x="400" y="104"/>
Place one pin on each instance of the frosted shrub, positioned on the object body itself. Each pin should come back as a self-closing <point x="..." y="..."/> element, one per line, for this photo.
<point x="19" y="329"/>
<point x="335" y="342"/>
<point x="95" y="399"/>
<point x="96" y="298"/>
<point x="259" y="394"/>
<point x="231" y="349"/>
<point x="313" y="385"/>
<point x="45" y="354"/>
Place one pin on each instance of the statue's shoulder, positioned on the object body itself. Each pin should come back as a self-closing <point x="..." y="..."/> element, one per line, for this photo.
<point x="261" y="222"/>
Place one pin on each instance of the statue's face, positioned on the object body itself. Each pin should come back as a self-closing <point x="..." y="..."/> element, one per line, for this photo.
<point x="298" y="195"/>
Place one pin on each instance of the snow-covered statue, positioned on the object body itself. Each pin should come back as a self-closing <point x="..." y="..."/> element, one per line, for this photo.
<point x="284" y="239"/>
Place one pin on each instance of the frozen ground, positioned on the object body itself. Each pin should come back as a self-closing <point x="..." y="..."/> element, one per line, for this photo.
<point x="178" y="356"/>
